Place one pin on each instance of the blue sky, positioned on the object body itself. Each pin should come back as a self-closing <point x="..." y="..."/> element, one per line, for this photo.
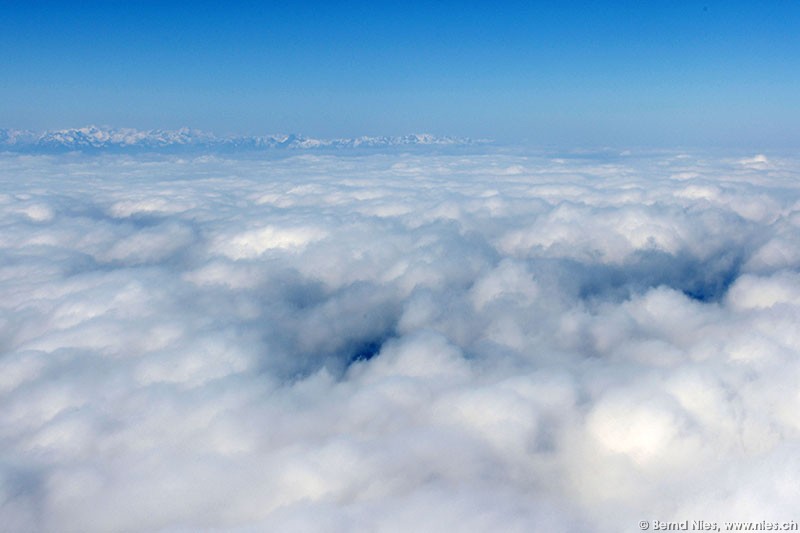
<point x="566" y="73"/>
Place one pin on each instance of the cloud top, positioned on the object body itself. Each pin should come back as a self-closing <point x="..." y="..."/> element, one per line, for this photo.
<point x="479" y="341"/>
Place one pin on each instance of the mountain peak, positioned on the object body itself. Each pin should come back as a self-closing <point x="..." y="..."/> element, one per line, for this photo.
<point x="94" y="138"/>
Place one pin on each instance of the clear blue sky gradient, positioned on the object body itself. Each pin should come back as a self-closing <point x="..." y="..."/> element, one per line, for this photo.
<point x="567" y="73"/>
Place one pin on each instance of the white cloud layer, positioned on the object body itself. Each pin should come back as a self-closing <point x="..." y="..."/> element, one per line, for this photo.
<point x="388" y="342"/>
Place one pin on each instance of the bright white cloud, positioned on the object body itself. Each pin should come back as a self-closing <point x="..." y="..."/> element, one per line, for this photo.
<point x="484" y="341"/>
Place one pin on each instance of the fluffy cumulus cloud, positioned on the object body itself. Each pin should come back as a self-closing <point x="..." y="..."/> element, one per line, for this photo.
<point x="480" y="340"/>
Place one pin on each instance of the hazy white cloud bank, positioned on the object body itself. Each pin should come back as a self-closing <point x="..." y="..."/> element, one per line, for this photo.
<point x="398" y="342"/>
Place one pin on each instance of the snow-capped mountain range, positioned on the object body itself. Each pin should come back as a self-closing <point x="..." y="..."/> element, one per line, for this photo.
<point x="93" y="138"/>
